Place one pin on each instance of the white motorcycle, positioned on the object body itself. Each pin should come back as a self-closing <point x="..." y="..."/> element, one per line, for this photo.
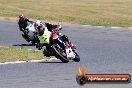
<point x="29" y="34"/>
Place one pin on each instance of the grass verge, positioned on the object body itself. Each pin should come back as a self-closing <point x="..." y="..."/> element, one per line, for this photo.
<point x="19" y="54"/>
<point x="94" y="12"/>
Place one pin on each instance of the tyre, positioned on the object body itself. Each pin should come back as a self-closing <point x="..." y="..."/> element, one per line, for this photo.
<point x="58" y="53"/>
<point x="77" y="57"/>
<point x="46" y="53"/>
<point x="25" y="37"/>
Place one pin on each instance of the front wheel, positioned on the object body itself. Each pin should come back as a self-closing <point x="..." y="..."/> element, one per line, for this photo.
<point x="25" y="37"/>
<point x="59" y="53"/>
<point x="77" y="57"/>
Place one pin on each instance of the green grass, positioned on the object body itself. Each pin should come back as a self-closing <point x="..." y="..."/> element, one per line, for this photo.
<point x="19" y="54"/>
<point x="94" y="12"/>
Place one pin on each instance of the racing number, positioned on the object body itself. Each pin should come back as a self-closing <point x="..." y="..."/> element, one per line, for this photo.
<point x="44" y="38"/>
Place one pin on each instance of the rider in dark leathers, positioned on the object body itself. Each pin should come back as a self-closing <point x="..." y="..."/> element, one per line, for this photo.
<point x="23" y="23"/>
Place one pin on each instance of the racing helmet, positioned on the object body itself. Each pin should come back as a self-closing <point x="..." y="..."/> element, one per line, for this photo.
<point x="60" y="27"/>
<point x="39" y="26"/>
<point x="21" y="16"/>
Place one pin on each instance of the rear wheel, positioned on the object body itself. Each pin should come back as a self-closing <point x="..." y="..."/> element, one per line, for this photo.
<point x="59" y="53"/>
<point x="46" y="53"/>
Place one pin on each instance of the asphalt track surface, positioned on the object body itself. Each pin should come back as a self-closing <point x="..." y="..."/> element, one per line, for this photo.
<point x="102" y="50"/>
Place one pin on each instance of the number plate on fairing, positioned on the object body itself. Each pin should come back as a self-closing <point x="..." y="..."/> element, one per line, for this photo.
<point x="45" y="37"/>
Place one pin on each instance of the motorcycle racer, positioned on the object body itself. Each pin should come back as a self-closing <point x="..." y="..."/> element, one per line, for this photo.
<point x="23" y="22"/>
<point x="55" y="36"/>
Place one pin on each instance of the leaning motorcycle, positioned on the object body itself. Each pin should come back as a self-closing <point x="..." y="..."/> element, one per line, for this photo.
<point x="55" y="50"/>
<point x="29" y="34"/>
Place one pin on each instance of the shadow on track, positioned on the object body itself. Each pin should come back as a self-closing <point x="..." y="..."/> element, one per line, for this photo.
<point x="54" y="61"/>
<point x="50" y="62"/>
<point x="24" y="45"/>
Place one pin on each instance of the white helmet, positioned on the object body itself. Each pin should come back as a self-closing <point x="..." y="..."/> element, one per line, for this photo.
<point x="39" y="25"/>
<point x="60" y="27"/>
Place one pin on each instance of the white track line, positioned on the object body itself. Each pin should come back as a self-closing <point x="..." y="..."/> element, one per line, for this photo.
<point x="4" y="46"/>
<point x="16" y="62"/>
<point x="35" y="61"/>
<point x="30" y="49"/>
<point x="100" y="26"/>
<point x="42" y="60"/>
<point x="103" y="27"/>
<point x="52" y="59"/>
<point x="37" y="50"/>
<point x="86" y="25"/>
<point x="115" y="27"/>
